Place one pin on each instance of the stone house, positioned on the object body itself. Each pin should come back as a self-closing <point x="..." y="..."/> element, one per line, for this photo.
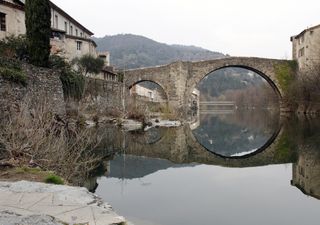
<point x="147" y="93"/>
<point x="12" y="18"/>
<point x="69" y="38"/>
<point x="306" y="47"/>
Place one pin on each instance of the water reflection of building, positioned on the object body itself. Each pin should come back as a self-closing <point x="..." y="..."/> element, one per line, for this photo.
<point x="306" y="173"/>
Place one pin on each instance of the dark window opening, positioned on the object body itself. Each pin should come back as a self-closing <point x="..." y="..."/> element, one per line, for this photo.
<point x="3" y="26"/>
<point x="79" y="44"/>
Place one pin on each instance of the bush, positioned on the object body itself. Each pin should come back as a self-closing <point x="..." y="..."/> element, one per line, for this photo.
<point x="14" y="47"/>
<point x="89" y="64"/>
<point x="10" y="70"/>
<point x="72" y="82"/>
<point x="53" y="179"/>
<point x="13" y="75"/>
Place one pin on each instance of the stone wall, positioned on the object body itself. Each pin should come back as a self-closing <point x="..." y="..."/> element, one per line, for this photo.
<point x="101" y="97"/>
<point x="43" y="86"/>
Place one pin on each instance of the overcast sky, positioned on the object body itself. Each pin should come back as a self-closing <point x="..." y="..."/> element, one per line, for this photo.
<point x="237" y="27"/>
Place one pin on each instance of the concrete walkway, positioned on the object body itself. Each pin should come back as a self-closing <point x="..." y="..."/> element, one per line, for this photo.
<point x="71" y="205"/>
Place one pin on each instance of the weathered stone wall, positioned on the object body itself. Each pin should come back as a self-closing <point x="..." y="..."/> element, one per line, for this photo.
<point x="170" y="77"/>
<point x="43" y="86"/>
<point x="101" y="97"/>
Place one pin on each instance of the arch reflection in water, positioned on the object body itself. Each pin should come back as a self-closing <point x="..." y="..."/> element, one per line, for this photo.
<point x="238" y="134"/>
<point x="238" y="113"/>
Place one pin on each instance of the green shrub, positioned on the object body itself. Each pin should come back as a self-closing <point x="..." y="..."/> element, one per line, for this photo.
<point x="11" y="70"/>
<point x="53" y="179"/>
<point x="58" y="62"/>
<point x="13" y="75"/>
<point x="14" y="47"/>
<point x="89" y="64"/>
<point x="72" y="81"/>
<point x="73" y="84"/>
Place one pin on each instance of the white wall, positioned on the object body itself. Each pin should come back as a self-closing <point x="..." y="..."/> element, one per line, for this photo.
<point x="61" y="25"/>
<point x="15" y="21"/>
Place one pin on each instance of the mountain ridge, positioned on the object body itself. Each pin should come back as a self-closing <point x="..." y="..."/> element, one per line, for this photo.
<point x="135" y="51"/>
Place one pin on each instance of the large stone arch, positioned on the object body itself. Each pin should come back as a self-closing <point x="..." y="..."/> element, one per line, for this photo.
<point x="266" y="68"/>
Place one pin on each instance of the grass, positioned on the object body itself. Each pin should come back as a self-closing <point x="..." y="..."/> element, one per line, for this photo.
<point x="13" y="75"/>
<point x="28" y="170"/>
<point x="24" y="173"/>
<point x="53" y="179"/>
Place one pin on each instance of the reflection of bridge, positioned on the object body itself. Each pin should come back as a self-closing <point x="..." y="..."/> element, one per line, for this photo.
<point x="217" y="103"/>
<point x="180" y="146"/>
<point x="179" y="79"/>
<point x="216" y="111"/>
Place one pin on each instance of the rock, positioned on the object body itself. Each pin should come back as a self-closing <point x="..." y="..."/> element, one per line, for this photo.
<point x="11" y="218"/>
<point x="90" y="123"/>
<point x="75" y="205"/>
<point x="130" y="125"/>
<point x="165" y="123"/>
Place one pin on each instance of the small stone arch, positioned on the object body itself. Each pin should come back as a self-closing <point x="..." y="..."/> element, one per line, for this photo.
<point x="129" y="86"/>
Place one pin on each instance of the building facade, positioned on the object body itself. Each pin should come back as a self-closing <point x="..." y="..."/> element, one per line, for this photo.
<point x="147" y="94"/>
<point x="69" y="38"/>
<point x="306" y="48"/>
<point x="12" y="18"/>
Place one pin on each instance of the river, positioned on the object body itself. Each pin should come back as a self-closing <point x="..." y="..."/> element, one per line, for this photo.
<point x="247" y="167"/>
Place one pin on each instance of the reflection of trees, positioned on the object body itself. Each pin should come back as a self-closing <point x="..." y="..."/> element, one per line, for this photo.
<point x="261" y="96"/>
<point x="243" y="131"/>
<point x="242" y="86"/>
<point x="263" y="120"/>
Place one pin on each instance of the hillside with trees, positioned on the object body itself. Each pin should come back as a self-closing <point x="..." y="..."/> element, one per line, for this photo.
<point x="133" y="51"/>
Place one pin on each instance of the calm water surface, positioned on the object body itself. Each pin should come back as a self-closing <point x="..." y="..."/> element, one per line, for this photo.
<point x="242" y="168"/>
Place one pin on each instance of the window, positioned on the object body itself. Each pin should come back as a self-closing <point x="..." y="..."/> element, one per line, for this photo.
<point x="57" y="21"/>
<point x="79" y="44"/>
<point x="71" y="30"/>
<point x="3" y="26"/>
<point x="66" y="26"/>
<point x="76" y="32"/>
<point x="81" y="34"/>
<point x="301" y="52"/>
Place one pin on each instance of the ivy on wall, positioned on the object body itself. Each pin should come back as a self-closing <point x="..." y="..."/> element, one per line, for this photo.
<point x="285" y="74"/>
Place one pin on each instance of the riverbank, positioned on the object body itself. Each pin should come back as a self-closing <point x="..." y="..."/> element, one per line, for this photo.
<point x="26" y="202"/>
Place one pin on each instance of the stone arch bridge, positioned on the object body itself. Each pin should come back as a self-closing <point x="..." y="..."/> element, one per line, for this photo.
<point x="179" y="79"/>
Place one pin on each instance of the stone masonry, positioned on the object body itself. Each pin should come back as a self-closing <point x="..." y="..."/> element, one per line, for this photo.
<point x="179" y="79"/>
<point x="43" y="86"/>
